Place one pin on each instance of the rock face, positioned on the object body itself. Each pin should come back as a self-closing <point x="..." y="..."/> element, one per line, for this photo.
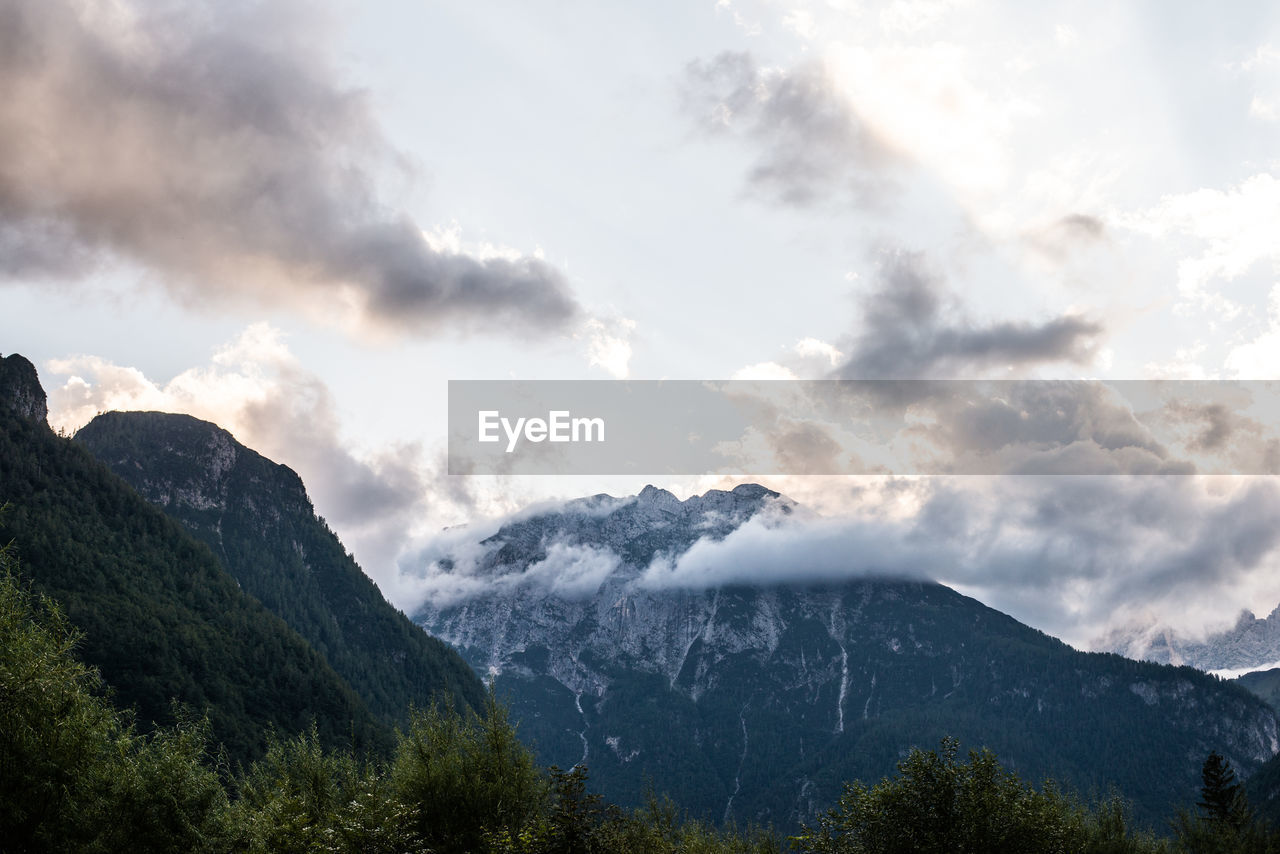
<point x="20" y="390"/>
<point x="754" y="703"/>
<point x="256" y="517"/>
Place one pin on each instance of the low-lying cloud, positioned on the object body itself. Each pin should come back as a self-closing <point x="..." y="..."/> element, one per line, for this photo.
<point x="212" y="144"/>
<point x="456" y="572"/>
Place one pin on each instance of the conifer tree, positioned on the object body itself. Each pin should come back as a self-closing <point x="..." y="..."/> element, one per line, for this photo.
<point x="1221" y="797"/>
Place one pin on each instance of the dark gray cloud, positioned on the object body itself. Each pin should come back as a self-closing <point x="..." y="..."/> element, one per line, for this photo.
<point x="813" y="145"/>
<point x="211" y="143"/>
<point x="911" y="329"/>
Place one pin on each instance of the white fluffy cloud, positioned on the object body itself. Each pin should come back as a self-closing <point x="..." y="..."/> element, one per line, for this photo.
<point x="609" y="345"/>
<point x="1230" y="230"/>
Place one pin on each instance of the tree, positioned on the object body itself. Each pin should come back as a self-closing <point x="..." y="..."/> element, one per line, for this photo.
<point x="1221" y="798"/>
<point x="939" y="805"/>
<point x="303" y="798"/>
<point x="466" y="778"/>
<point x="1225" y="824"/>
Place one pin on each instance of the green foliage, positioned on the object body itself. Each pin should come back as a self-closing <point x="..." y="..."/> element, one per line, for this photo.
<point x="51" y="724"/>
<point x="466" y="777"/>
<point x="73" y="774"/>
<point x="158" y="793"/>
<point x="302" y="798"/>
<point x="940" y="805"/>
<point x="1108" y="830"/>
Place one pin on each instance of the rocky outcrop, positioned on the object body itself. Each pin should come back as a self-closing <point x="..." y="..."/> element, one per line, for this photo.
<point x="20" y="390"/>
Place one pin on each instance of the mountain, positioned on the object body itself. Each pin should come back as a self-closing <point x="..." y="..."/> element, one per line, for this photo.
<point x="1251" y="644"/>
<point x="162" y="620"/>
<point x="1264" y="683"/>
<point x="754" y="703"/>
<point x="256" y="517"/>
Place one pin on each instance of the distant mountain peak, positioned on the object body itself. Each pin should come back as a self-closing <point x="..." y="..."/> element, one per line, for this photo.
<point x="754" y="490"/>
<point x="752" y="702"/>
<point x="20" y="390"/>
<point x="659" y="498"/>
<point x="637" y="528"/>
<point x="1250" y="643"/>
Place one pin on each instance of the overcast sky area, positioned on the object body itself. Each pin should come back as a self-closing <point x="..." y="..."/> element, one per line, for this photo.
<point x="302" y="219"/>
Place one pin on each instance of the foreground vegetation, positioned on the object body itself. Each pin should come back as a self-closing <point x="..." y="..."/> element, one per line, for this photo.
<point x="75" y="775"/>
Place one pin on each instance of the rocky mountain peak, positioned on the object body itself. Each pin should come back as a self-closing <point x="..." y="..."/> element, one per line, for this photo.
<point x="637" y="528"/>
<point x="659" y="499"/>
<point x="20" y="389"/>
<point x="181" y="461"/>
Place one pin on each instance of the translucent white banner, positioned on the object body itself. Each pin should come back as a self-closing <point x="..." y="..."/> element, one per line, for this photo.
<point x="691" y="427"/>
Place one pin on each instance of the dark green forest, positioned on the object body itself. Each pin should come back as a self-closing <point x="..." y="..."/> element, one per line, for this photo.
<point x="77" y="775"/>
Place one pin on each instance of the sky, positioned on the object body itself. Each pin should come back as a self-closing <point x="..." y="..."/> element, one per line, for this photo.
<point x="302" y="219"/>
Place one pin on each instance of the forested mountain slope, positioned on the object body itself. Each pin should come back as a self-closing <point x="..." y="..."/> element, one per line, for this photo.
<point x="257" y="518"/>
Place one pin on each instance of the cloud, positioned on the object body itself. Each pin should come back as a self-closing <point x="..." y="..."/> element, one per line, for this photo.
<point x="1067" y="234"/>
<point x="911" y="330"/>
<point x="912" y="16"/>
<point x="1227" y="232"/>
<point x="256" y="389"/>
<point x="813" y="146"/>
<point x="1257" y="359"/>
<point x="609" y="345"/>
<point x="568" y="571"/>
<point x="1078" y="557"/>
<point x="807" y="358"/>
<point x="1072" y="556"/>
<point x="211" y="144"/>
